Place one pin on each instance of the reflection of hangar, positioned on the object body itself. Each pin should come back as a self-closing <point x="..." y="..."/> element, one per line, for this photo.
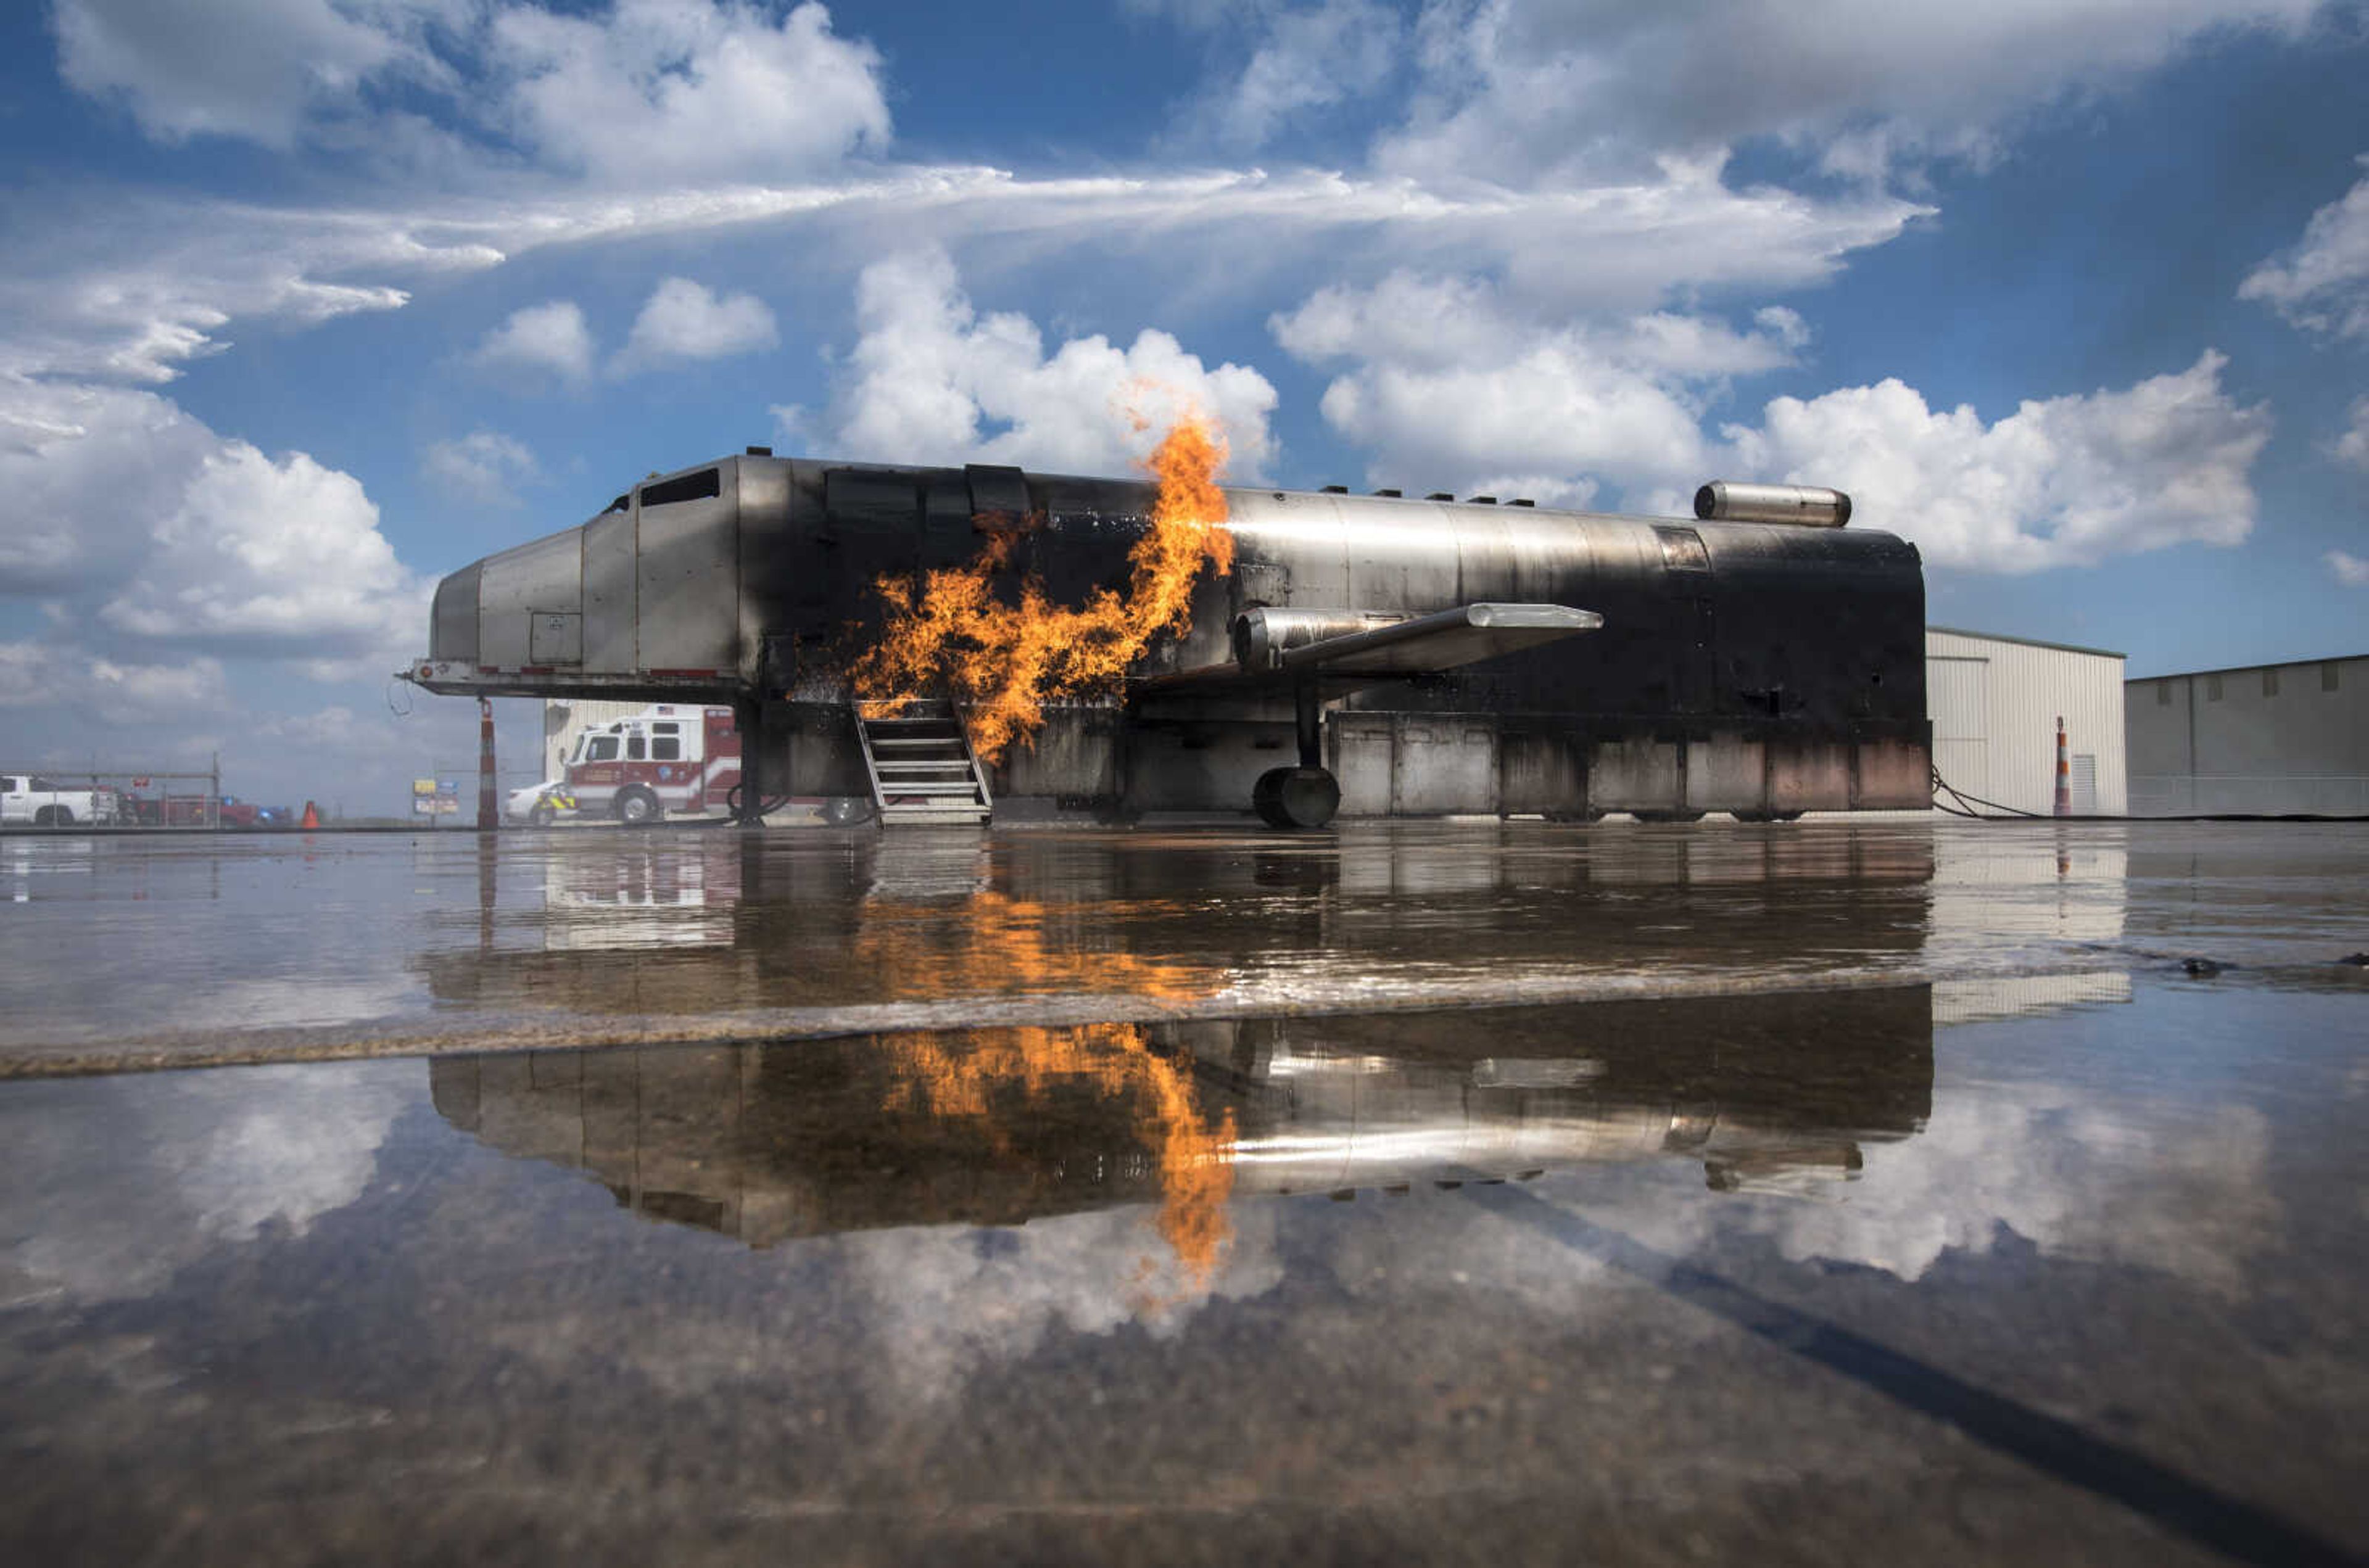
<point x="1426" y="656"/>
<point x="997" y="1128"/>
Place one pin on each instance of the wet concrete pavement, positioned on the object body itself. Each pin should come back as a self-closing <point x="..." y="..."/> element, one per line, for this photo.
<point x="1840" y="1192"/>
<point x="147" y="952"/>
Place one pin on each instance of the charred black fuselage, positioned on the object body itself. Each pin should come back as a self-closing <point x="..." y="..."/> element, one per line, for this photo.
<point x="1757" y="667"/>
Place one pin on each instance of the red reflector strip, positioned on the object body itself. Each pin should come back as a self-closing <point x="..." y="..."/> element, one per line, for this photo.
<point x="534" y="668"/>
<point x="687" y="674"/>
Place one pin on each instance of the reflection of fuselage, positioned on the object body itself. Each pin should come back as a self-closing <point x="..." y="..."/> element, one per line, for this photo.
<point x="712" y="923"/>
<point x="1751" y="666"/>
<point x="769" y="1143"/>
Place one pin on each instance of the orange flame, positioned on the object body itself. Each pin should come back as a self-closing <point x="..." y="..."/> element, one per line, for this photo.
<point x="1036" y="947"/>
<point x="1000" y="661"/>
<point x="966" y="1075"/>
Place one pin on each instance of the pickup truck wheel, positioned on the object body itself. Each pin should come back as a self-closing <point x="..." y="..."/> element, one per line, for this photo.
<point x="635" y="806"/>
<point x="542" y="816"/>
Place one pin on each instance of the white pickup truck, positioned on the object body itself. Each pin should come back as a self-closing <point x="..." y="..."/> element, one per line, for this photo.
<point x="30" y="801"/>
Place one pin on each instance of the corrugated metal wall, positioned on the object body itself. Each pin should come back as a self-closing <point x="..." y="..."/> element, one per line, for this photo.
<point x="2276" y="739"/>
<point x="1995" y="703"/>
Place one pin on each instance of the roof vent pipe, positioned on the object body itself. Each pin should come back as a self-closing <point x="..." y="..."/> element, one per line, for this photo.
<point x="1806" y="506"/>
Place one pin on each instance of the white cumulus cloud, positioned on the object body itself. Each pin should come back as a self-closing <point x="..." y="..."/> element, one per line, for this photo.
<point x="664" y="89"/>
<point x="632" y="92"/>
<point x="683" y="321"/>
<point x="2322" y="285"/>
<point x="483" y="466"/>
<point x="281" y="559"/>
<point x="2066" y="481"/>
<point x="91" y="470"/>
<point x="1450" y="385"/>
<point x="550" y="337"/>
<point x="1515" y="89"/>
<point x="2352" y="447"/>
<point x="208" y="1158"/>
<point x="121" y="691"/>
<point x="254" y="69"/>
<point x="934" y="380"/>
<point x="1302" y="62"/>
<point x="2351" y="570"/>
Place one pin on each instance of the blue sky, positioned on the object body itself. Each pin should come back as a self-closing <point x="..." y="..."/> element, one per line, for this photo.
<point x="305" y="302"/>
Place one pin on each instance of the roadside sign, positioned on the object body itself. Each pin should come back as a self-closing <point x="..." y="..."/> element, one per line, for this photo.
<point x="435" y="797"/>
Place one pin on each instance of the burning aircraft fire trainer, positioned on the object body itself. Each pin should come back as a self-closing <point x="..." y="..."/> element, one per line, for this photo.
<point x="939" y="639"/>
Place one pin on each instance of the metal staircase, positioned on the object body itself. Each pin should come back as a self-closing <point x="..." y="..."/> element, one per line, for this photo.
<point x="923" y="769"/>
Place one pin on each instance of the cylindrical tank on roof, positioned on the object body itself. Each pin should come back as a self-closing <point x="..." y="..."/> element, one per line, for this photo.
<point x="1807" y="506"/>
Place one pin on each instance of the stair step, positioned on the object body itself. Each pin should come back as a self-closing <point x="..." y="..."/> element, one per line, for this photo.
<point x="922" y="768"/>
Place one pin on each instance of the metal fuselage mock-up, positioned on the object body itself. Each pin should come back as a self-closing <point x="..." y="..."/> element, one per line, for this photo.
<point x="1398" y="656"/>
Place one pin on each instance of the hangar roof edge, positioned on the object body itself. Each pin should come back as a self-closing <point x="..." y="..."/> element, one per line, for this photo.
<point x="2026" y="642"/>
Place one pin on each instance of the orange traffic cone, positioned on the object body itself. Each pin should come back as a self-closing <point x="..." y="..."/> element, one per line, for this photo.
<point x="312" y="817"/>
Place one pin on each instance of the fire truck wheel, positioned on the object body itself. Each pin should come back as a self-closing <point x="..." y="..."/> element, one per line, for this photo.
<point x="542" y="816"/>
<point x="1295" y="797"/>
<point x="635" y="806"/>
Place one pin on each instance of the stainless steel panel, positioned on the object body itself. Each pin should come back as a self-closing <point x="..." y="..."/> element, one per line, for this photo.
<point x="1725" y="774"/>
<point x="1442" y="765"/>
<point x="544" y="574"/>
<point x="1810" y="776"/>
<point x="1360" y="755"/>
<point x="1541" y="770"/>
<point x="1203" y="767"/>
<point x="689" y="582"/>
<point x="611" y="630"/>
<point x="1892" y="775"/>
<point x="557" y="637"/>
<point x="1301" y="532"/>
<point x="1634" y="775"/>
<point x="453" y="626"/>
<point x="1075" y="754"/>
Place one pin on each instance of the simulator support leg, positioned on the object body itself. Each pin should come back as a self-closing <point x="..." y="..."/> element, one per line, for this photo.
<point x="748" y="718"/>
<point x="1307" y="795"/>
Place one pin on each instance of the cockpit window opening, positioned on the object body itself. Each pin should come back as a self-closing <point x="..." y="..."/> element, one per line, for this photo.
<point x="699" y="487"/>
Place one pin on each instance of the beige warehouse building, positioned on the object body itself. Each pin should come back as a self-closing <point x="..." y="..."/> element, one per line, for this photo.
<point x="1994" y="701"/>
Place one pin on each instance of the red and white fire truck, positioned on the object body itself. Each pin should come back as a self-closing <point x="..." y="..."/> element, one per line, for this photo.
<point x="670" y="757"/>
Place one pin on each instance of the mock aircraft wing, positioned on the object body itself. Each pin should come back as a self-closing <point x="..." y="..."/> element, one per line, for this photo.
<point x="1423" y="644"/>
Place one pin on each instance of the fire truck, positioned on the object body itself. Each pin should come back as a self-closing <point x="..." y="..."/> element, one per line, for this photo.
<point x="670" y="757"/>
